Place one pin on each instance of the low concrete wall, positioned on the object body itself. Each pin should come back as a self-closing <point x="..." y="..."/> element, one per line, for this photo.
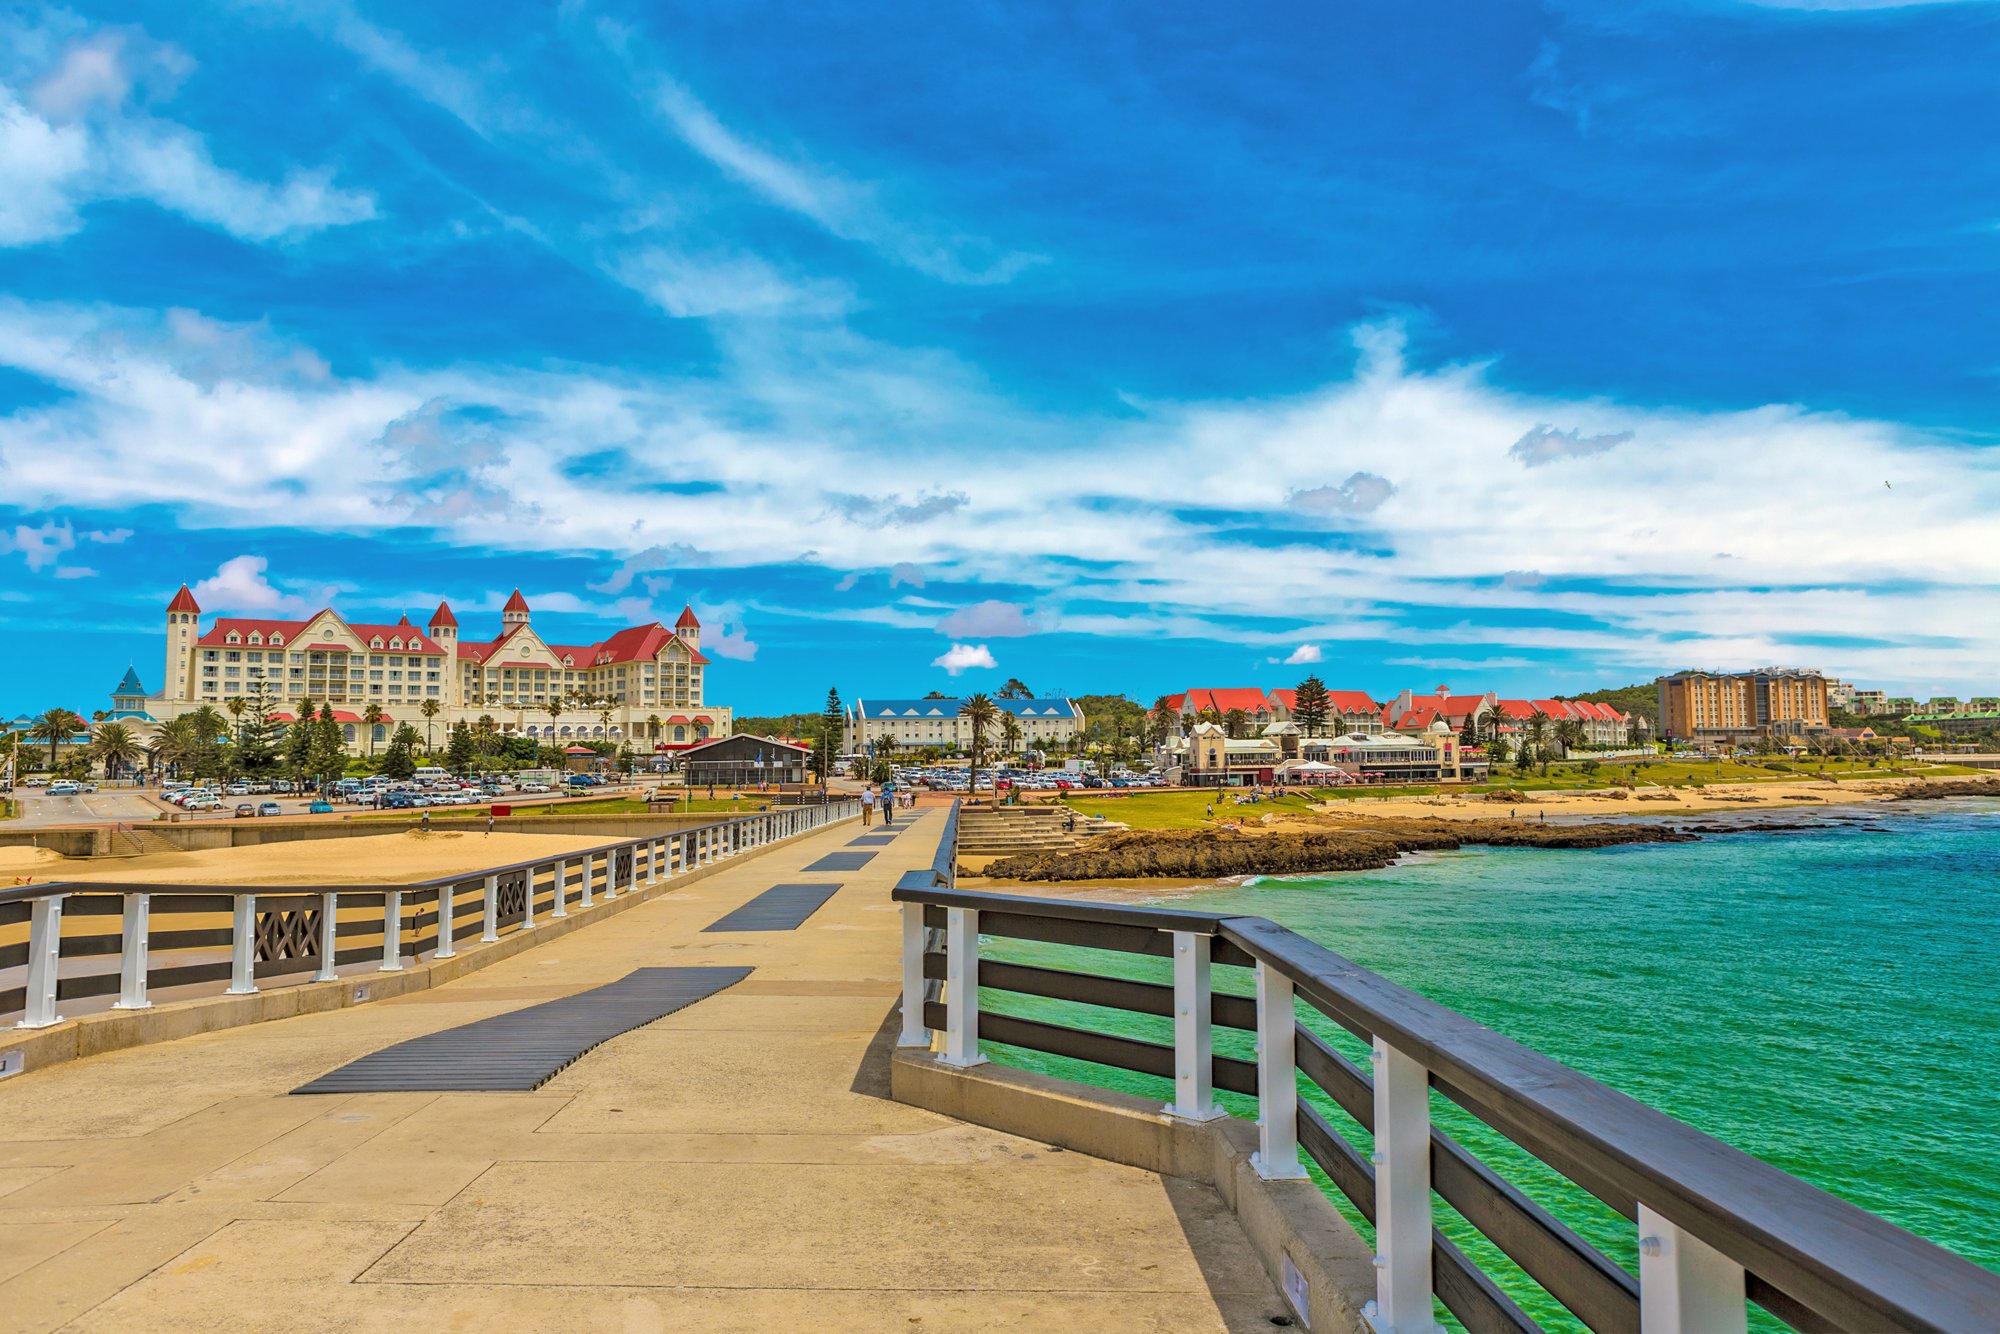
<point x="114" y="1030"/>
<point x="1283" y="1220"/>
<point x="69" y="842"/>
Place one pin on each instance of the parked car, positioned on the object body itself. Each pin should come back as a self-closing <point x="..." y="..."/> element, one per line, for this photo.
<point x="62" y="787"/>
<point x="534" y="787"/>
<point x="320" y="808"/>
<point x="244" y="808"/>
<point x="272" y="808"/>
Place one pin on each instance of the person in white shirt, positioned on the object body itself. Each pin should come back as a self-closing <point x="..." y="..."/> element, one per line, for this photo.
<point x="867" y="806"/>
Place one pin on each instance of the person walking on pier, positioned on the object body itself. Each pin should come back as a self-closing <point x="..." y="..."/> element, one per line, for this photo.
<point x="867" y="806"/>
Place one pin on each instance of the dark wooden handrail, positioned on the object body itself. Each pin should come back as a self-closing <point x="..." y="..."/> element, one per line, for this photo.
<point x="1808" y="1253"/>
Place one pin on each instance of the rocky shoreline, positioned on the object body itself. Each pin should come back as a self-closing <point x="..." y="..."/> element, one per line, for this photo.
<point x="1207" y="854"/>
<point x="1939" y="791"/>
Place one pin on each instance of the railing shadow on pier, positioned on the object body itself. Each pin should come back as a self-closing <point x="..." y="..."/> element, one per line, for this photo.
<point x="276" y="932"/>
<point x="1715" y="1230"/>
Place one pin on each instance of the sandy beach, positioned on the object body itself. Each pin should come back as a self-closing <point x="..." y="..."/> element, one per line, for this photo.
<point x="1610" y="802"/>
<point x="389" y="859"/>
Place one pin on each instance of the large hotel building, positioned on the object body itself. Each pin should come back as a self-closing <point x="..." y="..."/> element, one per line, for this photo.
<point x="649" y="677"/>
<point x="1738" y="706"/>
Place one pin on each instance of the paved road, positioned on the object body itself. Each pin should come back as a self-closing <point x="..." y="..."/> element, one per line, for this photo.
<point x="39" y="810"/>
<point x="736" y="1165"/>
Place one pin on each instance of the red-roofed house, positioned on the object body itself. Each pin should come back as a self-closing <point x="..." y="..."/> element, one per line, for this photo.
<point x="1456" y="710"/>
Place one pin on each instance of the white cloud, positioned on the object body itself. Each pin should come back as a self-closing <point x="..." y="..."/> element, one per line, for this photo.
<point x="1361" y="493"/>
<point x="725" y="641"/>
<point x="1475" y="554"/>
<point x="80" y="143"/>
<point x="1305" y="653"/>
<point x="41" y="546"/>
<point x="240" y="585"/>
<point x="994" y="619"/>
<point x="110" y="538"/>
<point x="906" y="573"/>
<point x="671" y="556"/>
<point x="76" y="572"/>
<point x="1545" y="444"/>
<point x="964" y="657"/>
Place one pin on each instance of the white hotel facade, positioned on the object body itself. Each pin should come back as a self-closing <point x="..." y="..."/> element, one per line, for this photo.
<point x="651" y="679"/>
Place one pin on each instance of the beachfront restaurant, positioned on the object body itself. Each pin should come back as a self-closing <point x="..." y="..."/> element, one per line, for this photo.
<point x="1394" y="757"/>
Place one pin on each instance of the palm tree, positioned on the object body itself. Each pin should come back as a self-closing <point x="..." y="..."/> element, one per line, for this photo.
<point x="1536" y="746"/>
<point x="554" y="707"/>
<point x="653" y="721"/>
<point x="429" y="708"/>
<point x="979" y="713"/>
<point x="373" y="717"/>
<point x="484" y="730"/>
<point x="113" y="746"/>
<point x="55" y="727"/>
<point x="176" y="744"/>
<point x="1569" y="735"/>
<point x="1010" y="734"/>
<point x="604" y="708"/>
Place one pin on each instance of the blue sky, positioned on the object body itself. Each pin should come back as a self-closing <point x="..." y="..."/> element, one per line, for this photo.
<point x="1517" y="347"/>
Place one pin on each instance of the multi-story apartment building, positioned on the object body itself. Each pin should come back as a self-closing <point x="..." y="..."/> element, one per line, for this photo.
<point x="1719" y="706"/>
<point x="915" y="723"/>
<point x="649" y="678"/>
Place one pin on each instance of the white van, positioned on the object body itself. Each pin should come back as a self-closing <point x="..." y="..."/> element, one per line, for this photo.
<point x="430" y="776"/>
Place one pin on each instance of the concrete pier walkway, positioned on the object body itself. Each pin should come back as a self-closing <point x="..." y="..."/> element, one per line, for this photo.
<point x="737" y="1164"/>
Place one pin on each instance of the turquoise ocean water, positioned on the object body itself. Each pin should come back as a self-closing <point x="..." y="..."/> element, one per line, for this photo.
<point x="1827" y="999"/>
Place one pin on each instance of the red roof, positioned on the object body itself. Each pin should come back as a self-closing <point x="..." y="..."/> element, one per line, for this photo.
<point x="184" y="601"/>
<point x="1350" y="701"/>
<point x="1172" y="703"/>
<point x="1517" y="709"/>
<point x="339" y="716"/>
<point x="1288" y="698"/>
<point x="687" y="620"/>
<point x="516" y="603"/>
<point x="1455" y="708"/>
<point x="703" y="718"/>
<point x="678" y="718"/>
<point x="1554" y="708"/>
<point x="218" y="635"/>
<point x="1416" y="720"/>
<point x="443" y="616"/>
<point x="1247" y="698"/>
<point x="637" y="643"/>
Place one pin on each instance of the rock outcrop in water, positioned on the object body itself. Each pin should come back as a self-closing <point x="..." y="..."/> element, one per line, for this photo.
<point x="1937" y="791"/>
<point x="1207" y="854"/>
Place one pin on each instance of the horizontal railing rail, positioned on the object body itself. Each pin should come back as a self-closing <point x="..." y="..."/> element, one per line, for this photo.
<point x="243" y="933"/>
<point x="1716" y="1228"/>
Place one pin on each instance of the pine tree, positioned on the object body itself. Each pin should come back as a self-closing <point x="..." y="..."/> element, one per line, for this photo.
<point x="1310" y="706"/>
<point x="458" y="748"/>
<point x="399" y="761"/>
<point x="832" y="730"/>
<point x="328" y="754"/>
<point x="299" y="743"/>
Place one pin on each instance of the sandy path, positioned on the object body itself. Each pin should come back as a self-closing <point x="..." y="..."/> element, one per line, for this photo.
<point x="386" y="859"/>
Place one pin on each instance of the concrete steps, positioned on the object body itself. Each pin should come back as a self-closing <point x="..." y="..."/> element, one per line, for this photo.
<point x="1012" y="830"/>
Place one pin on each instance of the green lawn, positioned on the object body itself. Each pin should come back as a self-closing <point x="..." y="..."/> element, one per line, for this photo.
<point x="1188" y="808"/>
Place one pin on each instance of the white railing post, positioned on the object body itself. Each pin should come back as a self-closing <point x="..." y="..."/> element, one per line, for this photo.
<point x="132" y="953"/>
<point x="652" y="847"/>
<point x="631" y="871"/>
<point x="915" y="1033"/>
<point x="490" y="899"/>
<point x="392" y="932"/>
<point x="1277" y="1155"/>
<point x="44" y="958"/>
<point x="447" y="948"/>
<point x="585" y="894"/>
<point x="1194" y="1033"/>
<point x="1402" y="1161"/>
<point x="243" y="948"/>
<point x="561" y="909"/>
<point x="1686" y="1286"/>
<point x="961" y="988"/>
<point x="610" y="874"/>
<point x="528" y="898"/>
<point x="329" y="936"/>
